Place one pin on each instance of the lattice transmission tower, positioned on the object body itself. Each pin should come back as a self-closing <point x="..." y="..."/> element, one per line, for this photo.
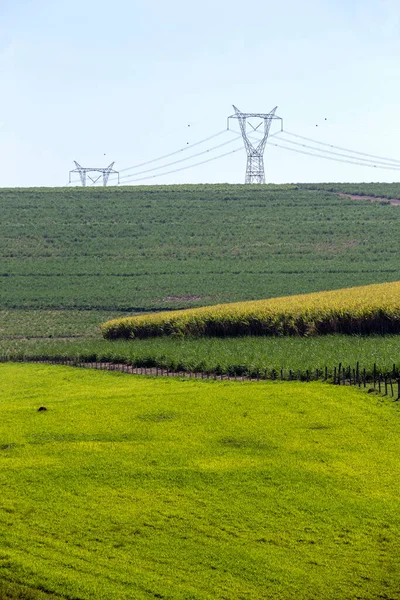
<point x="255" y="152"/>
<point x="83" y="172"/>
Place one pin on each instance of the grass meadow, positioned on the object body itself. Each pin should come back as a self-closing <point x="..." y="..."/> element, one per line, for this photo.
<point x="127" y="487"/>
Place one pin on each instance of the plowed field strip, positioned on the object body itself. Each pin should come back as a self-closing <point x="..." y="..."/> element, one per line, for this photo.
<point x="393" y="201"/>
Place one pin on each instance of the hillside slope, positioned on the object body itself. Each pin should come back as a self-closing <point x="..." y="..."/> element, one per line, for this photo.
<point x="177" y="246"/>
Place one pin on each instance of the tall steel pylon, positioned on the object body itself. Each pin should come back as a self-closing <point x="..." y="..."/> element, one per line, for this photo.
<point x="83" y="171"/>
<point x="255" y="153"/>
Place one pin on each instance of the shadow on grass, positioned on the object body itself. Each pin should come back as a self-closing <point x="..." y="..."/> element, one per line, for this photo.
<point x="14" y="591"/>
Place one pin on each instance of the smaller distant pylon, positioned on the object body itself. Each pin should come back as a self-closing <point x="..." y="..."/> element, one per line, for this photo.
<point x="84" y="173"/>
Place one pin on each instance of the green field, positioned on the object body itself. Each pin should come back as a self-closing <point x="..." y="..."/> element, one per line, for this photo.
<point x="131" y="487"/>
<point x="134" y="488"/>
<point x="129" y="249"/>
<point x="74" y="258"/>
<point x="246" y="355"/>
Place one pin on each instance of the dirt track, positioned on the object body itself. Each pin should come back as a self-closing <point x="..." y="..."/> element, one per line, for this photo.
<point x="393" y="201"/>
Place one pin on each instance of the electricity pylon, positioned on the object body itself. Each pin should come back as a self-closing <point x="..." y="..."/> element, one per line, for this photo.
<point x="255" y="153"/>
<point x="83" y="171"/>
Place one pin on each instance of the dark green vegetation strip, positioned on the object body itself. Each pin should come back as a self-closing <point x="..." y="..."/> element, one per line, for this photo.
<point x="247" y="355"/>
<point x="9" y="590"/>
<point x="130" y="488"/>
<point x="176" y="246"/>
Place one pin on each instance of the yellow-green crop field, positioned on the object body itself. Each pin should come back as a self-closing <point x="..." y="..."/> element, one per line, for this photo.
<point x="133" y="488"/>
<point x="358" y="310"/>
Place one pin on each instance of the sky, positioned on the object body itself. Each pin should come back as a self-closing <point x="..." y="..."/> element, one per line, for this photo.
<point x="131" y="81"/>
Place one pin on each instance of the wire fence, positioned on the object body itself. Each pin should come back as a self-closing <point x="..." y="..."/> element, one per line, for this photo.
<point x="386" y="384"/>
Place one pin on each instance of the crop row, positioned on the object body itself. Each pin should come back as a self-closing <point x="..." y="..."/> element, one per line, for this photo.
<point x="248" y="355"/>
<point x="361" y="310"/>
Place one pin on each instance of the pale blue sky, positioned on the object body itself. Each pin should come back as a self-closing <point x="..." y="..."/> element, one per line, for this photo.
<point x="99" y="81"/>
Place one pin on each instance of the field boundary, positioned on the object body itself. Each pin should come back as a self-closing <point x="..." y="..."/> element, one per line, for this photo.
<point x="386" y="384"/>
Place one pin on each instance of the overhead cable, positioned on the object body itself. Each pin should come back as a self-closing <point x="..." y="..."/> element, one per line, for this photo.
<point x="367" y="161"/>
<point x="187" y="167"/>
<point x="352" y="162"/>
<point x="187" y="147"/>
<point x="341" y="148"/>
<point x="163" y="166"/>
<point x="133" y="177"/>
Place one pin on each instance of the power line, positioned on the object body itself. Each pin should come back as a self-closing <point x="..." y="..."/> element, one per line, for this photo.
<point x="130" y="180"/>
<point x="187" y="147"/>
<point x="367" y="161"/>
<point x="187" y="167"/>
<point x="340" y="148"/>
<point x="335" y="159"/>
<point x="381" y="162"/>
<point x="201" y="162"/>
<point x="181" y="159"/>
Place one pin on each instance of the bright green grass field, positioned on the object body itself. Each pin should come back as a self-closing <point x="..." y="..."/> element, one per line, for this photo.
<point x="129" y="487"/>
